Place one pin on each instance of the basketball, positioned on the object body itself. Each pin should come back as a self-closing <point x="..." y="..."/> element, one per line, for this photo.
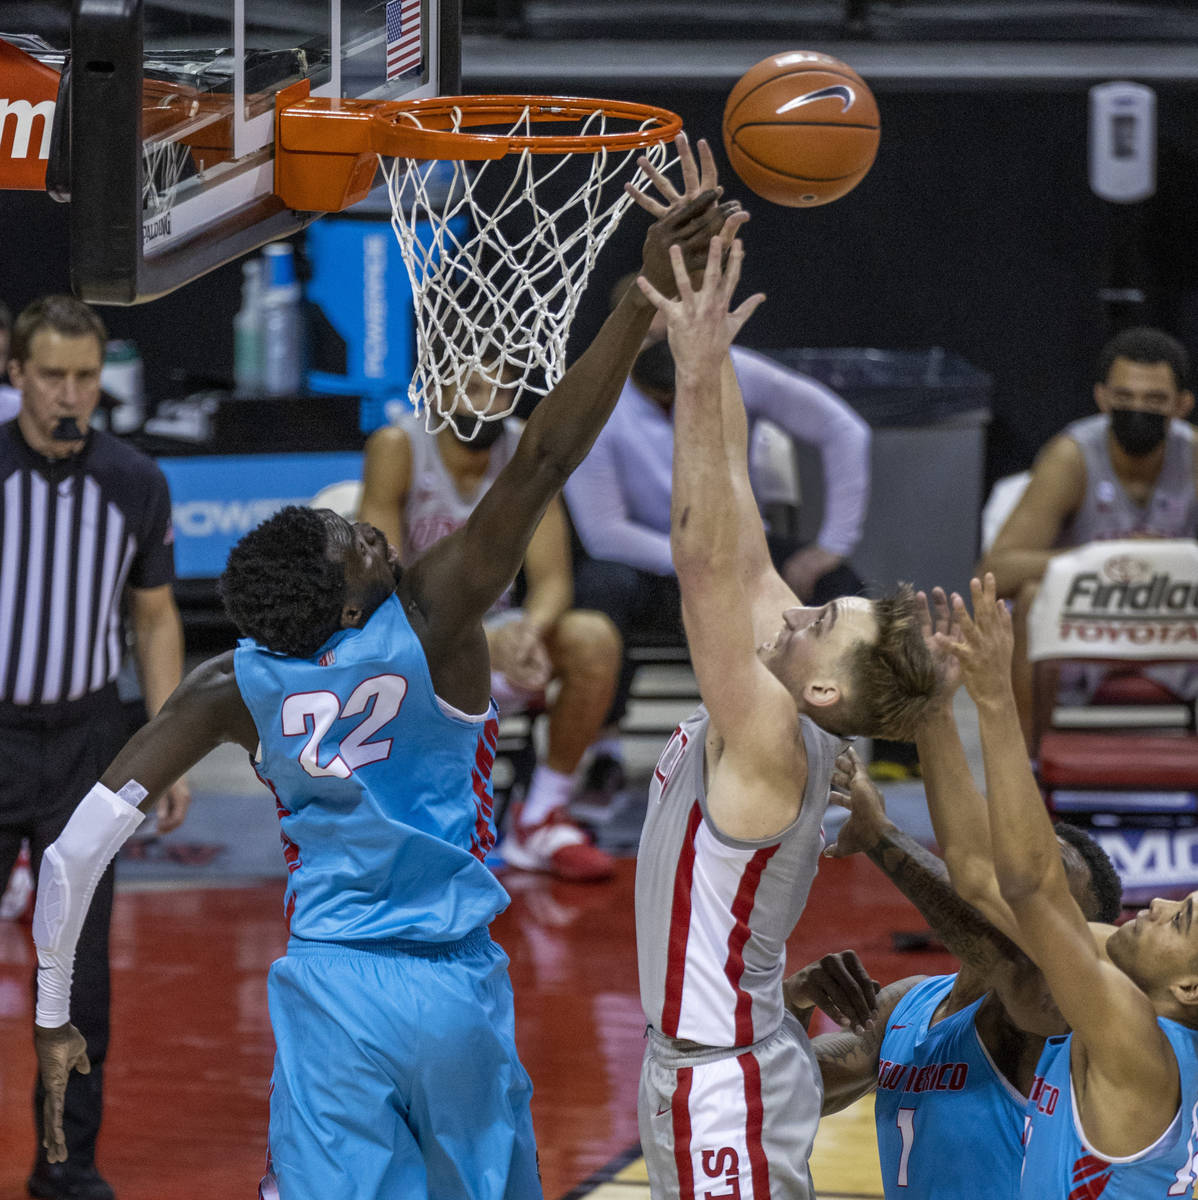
<point x="801" y="128"/>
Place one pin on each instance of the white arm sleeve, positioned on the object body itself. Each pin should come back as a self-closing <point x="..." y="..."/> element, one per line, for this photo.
<point x="70" y="870"/>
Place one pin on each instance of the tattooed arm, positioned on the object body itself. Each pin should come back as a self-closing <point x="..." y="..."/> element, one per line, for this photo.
<point x="848" y="1062"/>
<point x="917" y="873"/>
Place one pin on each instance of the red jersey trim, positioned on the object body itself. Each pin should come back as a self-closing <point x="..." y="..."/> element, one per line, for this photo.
<point x="734" y="965"/>
<point x="680" y="924"/>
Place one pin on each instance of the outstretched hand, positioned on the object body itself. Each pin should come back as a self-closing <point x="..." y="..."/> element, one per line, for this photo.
<point x="59" y="1052"/>
<point x="700" y="326"/>
<point x="938" y="618"/>
<point x="688" y="219"/>
<point x="853" y="789"/>
<point x="982" y="643"/>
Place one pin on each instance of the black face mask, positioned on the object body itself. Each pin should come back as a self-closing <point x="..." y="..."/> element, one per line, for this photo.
<point x="653" y="369"/>
<point x="1138" y="432"/>
<point x="489" y="432"/>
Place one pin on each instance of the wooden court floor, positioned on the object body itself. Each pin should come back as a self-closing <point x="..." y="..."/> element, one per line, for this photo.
<point x="186" y="1104"/>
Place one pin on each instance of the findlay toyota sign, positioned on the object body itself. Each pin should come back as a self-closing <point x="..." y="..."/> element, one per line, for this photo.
<point x="1125" y="599"/>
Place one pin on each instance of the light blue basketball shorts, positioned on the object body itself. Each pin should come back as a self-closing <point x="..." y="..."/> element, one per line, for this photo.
<point x="396" y="1074"/>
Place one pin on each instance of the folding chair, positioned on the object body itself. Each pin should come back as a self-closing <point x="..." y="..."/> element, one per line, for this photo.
<point x="1126" y="763"/>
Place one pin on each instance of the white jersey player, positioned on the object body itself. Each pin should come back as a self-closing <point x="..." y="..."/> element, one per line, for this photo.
<point x="730" y="1093"/>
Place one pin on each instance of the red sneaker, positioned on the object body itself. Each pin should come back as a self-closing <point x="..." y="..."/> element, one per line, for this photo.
<point x="556" y="846"/>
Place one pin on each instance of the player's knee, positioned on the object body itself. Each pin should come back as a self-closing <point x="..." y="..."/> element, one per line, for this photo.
<point x="588" y="641"/>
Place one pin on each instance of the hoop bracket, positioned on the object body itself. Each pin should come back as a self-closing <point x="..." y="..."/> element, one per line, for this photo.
<point x="326" y="150"/>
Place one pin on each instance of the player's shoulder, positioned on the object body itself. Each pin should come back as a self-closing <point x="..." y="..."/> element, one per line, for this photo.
<point x="389" y="439"/>
<point x="1060" y="466"/>
<point x="910" y="995"/>
<point x="1062" y="448"/>
<point x="211" y="685"/>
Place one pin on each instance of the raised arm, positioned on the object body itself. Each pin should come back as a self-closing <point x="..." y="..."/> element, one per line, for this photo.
<point x="1125" y="1057"/>
<point x="917" y="873"/>
<point x="811" y="413"/>
<point x="767" y="593"/>
<point x="960" y="817"/>
<point x="205" y="710"/>
<point x="456" y="581"/>
<point x="755" y="787"/>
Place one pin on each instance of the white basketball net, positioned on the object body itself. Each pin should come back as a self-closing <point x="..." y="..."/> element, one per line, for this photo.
<point x="496" y="287"/>
<point x="165" y="155"/>
<point x="163" y="165"/>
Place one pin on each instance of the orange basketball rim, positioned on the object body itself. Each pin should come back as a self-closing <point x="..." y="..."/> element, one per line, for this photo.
<point x="326" y="150"/>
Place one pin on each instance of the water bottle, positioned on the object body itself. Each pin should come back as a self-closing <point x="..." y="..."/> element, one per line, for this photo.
<point x="122" y="378"/>
<point x="281" y="351"/>
<point x="247" y="332"/>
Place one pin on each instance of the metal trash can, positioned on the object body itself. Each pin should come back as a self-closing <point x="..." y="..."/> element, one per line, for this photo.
<point x="928" y="410"/>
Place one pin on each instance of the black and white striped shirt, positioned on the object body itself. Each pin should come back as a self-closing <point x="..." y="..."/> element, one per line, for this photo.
<point x="73" y="533"/>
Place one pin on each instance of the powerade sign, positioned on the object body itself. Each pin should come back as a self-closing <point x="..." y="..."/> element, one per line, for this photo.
<point x="215" y="499"/>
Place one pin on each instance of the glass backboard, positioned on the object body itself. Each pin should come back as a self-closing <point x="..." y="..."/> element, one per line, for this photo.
<point x="172" y="120"/>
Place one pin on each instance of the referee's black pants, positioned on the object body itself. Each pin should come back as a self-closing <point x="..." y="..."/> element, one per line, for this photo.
<point x="49" y="760"/>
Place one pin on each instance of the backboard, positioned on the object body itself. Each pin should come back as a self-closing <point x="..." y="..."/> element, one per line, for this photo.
<point x="166" y="145"/>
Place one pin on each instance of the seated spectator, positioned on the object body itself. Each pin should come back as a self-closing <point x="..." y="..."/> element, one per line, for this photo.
<point x="1129" y="471"/>
<point x="619" y="497"/>
<point x="418" y="487"/>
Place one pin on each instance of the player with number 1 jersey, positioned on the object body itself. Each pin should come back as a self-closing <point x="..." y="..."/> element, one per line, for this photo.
<point x="933" y="1081"/>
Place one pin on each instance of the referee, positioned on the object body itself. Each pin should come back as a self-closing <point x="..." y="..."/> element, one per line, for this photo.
<point x="85" y="546"/>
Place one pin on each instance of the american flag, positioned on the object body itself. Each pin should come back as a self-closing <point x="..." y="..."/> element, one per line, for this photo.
<point x="403" y="36"/>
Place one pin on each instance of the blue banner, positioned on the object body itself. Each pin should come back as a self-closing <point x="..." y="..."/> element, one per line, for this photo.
<point x="215" y="499"/>
<point x="1152" y="862"/>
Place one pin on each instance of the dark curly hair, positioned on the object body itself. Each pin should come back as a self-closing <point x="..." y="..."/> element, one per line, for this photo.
<point x="279" y="587"/>
<point x="1105" y="884"/>
<point x="1143" y="344"/>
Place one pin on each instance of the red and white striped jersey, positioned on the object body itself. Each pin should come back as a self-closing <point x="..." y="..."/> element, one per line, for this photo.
<point x="713" y="912"/>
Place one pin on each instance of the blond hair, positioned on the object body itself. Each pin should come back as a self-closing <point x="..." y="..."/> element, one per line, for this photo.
<point x="892" y="679"/>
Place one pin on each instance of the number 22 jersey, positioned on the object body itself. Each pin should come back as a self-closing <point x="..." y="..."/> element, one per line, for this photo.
<point x="383" y="790"/>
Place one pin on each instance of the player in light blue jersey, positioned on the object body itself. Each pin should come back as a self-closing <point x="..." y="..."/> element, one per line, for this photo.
<point x="952" y="1057"/>
<point x="1113" y="1112"/>
<point x="361" y="692"/>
